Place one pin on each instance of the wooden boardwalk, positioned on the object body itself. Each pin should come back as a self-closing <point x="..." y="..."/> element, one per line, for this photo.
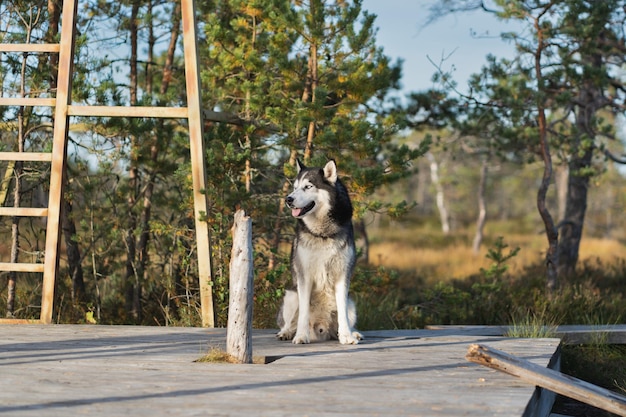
<point x="71" y="370"/>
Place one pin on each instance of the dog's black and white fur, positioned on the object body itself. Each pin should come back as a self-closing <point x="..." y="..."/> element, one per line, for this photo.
<point x="322" y="260"/>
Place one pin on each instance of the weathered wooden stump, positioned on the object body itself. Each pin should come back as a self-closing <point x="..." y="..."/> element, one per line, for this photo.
<point x="239" y="330"/>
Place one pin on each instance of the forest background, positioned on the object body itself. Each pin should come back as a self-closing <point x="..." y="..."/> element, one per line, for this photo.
<point x="492" y="204"/>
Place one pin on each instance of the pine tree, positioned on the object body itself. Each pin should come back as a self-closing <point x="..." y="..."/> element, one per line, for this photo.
<point x="565" y="69"/>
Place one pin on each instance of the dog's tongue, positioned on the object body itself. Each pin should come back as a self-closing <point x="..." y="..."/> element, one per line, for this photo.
<point x="295" y="212"/>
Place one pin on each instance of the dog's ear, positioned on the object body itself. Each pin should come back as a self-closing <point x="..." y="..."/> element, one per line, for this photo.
<point x="330" y="171"/>
<point x="299" y="165"/>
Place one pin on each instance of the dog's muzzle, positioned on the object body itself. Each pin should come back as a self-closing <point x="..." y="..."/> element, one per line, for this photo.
<point x="298" y="212"/>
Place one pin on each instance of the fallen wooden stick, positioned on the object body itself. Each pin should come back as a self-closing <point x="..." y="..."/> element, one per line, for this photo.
<point x="547" y="378"/>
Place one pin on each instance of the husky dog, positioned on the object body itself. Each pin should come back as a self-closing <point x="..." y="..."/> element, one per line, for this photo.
<point x="322" y="260"/>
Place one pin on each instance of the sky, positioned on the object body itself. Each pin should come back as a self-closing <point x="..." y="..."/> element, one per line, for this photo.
<point x="402" y="34"/>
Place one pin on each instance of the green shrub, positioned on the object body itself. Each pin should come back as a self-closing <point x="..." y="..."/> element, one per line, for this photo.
<point x="596" y="294"/>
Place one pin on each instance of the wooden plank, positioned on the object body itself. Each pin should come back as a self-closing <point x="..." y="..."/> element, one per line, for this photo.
<point x="26" y="156"/>
<point x="101" y="111"/>
<point x="46" y="369"/>
<point x="24" y="211"/>
<point x="128" y="111"/>
<point x="585" y="334"/>
<point x="18" y="321"/>
<point x="241" y="286"/>
<point x="198" y="163"/>
<point x="21" y="267"/>
<point x="570" y="334"/>
<point x="29" y="47"/>
<point x="58" y="161"/>
<point x="27" y="101"/>
<point x="549" y="379"/>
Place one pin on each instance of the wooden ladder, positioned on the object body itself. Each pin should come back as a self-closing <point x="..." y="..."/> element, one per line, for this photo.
<point x="63" y="110"/>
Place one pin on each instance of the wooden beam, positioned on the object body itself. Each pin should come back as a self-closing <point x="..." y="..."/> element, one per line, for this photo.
<point x="24" y="211"/>
<point x="27" y="101"/>
<point x="549" y="379"/>
<point x="26" y="156"/>
<point x="21" y="267"/>
<point x="612" y="334"/>
<point x="29" y="47"/>
<point x="128" y="111"/>
<point x="19" y="321"/>
<point x="59" y="158"/>
<point x="198" y="163"/>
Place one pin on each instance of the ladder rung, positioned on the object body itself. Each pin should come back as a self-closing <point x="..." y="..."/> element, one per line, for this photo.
<point x="104" y="111"/>
<point x="23" y="211"/>
<point x="129" y="111"/>
<point x="19" y="321"/>
<point x="21" y="267"/>
<point x="30" y="47"/>
<point x="27" y="101"/>
<point x="26" y="156"/>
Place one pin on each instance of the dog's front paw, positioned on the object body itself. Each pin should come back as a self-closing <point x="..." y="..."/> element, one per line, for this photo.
<point x="301" y="339"/>
<point x="284" y="335"/>
<point x="350" y="338"/>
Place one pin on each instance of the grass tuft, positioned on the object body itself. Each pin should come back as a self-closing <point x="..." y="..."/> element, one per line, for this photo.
<point x="532" y="326"/>
<point x="217" y="355"/>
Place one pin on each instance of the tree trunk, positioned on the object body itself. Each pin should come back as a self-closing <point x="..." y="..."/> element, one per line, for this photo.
<point x="590" y="99"/>
<point x="137" y="250"/>
<point x="151" y="43"/>
<point x="133" y="280"/>
<point x="561" y="180"/>
<point x="278" y="225"/>
<point x="577" y="186"/>
<point x="361" y="230"/>
<point x="482" y="208"/>
<point x="17" y="192"/>
<point x="15" y="222"/>
<point x="248" y="116"/>
<point x="6" y="182"/>
<point x="440" y="197"/>
<point x="572" y="223"/>
<point x="73" y="251"/>
<point x="311" y="84"/>
<point x="552" y="258"/>
<point x="312" y="77"/>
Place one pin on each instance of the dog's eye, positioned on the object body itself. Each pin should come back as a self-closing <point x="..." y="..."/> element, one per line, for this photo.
<point x="308" y="187"/>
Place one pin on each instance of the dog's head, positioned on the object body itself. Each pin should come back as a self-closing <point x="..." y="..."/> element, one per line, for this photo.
<point x="312" y="190"/>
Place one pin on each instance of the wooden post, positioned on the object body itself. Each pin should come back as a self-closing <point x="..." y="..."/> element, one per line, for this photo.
<point x="239" y="331"/>
<point x="547" y="378"/>
<point x="198" y="163"/>
<point x="59" y="159"/>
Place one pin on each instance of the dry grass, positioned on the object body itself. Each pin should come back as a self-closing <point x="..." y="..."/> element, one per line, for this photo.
<point x="217" y="355"/>
<point x="440" y="258"/>
<point x="431" y="263"/>
<point x="604" y="249"/>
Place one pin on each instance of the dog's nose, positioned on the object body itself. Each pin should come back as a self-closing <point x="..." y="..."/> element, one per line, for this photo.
<point x="289" y="200"/>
